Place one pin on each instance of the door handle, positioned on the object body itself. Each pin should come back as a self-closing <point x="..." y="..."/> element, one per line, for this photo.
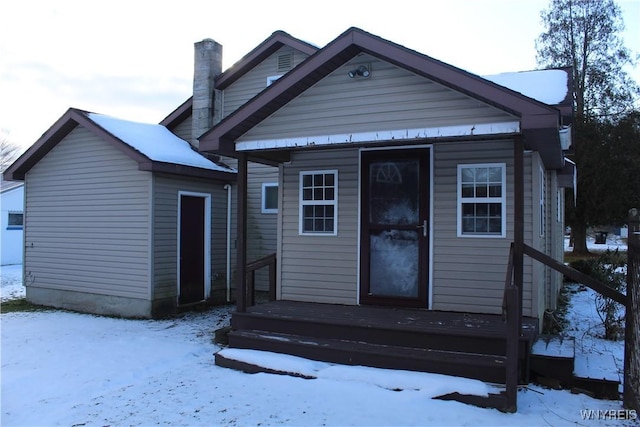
<point x="424" y="228"/>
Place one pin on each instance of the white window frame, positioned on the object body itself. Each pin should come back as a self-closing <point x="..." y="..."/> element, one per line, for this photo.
<point x="502" y="200"/>
<point x="302" y="203"/>
<point x="263" y="205"/>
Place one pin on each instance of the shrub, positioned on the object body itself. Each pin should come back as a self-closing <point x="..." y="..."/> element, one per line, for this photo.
<point x="608" y="268"/>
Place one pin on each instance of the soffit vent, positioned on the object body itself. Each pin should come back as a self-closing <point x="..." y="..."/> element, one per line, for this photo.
<point x="285" y="61"/>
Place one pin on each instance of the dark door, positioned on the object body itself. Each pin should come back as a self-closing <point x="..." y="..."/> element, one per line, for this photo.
<point x="394" y="245"/>
<point x="192" y="249"/>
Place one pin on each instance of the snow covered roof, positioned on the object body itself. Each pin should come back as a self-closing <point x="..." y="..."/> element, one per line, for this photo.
<point x="156" y="142"/>
<point x="154" y="147"/>
<point x="548" y="86"/>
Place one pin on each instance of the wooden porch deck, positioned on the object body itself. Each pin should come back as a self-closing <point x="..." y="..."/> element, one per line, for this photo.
<point x="461" y="344"/>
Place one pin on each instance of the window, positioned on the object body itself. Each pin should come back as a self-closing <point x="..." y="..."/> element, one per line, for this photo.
<point x="272" y="79"/>
<point x="482" y="200"/>
<point x="269" y="197"/>
<point x="319" y="202"/>
<point x="16" y="221"/>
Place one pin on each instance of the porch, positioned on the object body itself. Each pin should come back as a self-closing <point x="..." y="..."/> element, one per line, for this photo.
<point x="461" y="344"/>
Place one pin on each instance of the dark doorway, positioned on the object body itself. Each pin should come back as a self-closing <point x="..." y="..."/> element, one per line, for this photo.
<point x="192" y="249"/>
<point x="394" y="245"/>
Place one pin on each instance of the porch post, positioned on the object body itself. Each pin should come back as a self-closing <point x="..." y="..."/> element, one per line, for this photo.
<point x="241" y="257"/>
<point x="631" y="394"/>
<point x="518" y="221"/>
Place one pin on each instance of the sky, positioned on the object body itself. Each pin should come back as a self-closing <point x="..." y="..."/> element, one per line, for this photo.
<point x="133" y="59"/>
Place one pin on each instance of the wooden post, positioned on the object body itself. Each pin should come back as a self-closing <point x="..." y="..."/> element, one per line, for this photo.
<point x="631" y="396"/>
<point x="241" y="257"/>
<point x="513" y="342"/>
<point x="518" y="221"/>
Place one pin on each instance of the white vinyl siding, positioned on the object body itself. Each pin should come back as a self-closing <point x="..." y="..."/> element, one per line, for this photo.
<point x="391" y="99"/>
<point x="312" y="268"/>
<point x="87" y="220"/>
<point x="468" y="274"/>
<point x="165" y="231"/>
<point x="255" y="81"/>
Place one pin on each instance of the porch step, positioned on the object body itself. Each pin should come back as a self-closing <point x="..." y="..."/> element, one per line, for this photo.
<point x="485" y="367"/>
<point x="394" y="327"/>
<point x="555" y="364"/>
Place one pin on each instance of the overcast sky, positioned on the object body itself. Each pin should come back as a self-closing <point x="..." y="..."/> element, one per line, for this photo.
<point x="133" y="59"/>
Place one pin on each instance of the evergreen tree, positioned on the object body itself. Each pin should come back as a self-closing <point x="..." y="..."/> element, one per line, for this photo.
<point x="585" y="35"/>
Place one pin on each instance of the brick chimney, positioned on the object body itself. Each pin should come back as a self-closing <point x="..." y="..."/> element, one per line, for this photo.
<point x="207" y="106"/>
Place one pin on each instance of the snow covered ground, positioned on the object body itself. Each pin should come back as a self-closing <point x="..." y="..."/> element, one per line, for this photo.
<point x="61" y="368"/>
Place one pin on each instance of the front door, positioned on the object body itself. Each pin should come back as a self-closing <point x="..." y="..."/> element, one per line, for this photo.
<point x="394" y="245"/>
<point x="192" y="249"/>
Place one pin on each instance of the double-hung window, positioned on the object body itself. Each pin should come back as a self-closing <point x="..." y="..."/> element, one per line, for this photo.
<point x="319" y="202"/>
<point x="482" y="200"/>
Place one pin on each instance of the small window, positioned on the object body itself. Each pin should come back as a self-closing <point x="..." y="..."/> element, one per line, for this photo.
<point x="482" y="200"/>
<point x="16" y="221"/>
<point x="272" y="79"/>
<point x="270" y="197"/>
<point x="319" y="202"/>
<point x="559" y="208"/>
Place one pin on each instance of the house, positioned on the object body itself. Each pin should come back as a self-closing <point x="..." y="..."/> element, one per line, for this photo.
<point x="259" y="68"/>
<point x="404" y="182"/>
<point x="12" y="205"/>
<point x="121" y="218"/>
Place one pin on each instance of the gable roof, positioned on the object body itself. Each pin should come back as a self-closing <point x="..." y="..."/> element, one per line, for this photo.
<point x="270" y="45"/>
<point x="539" y="122"/>
<point x="152" y="146"/>
<point x="178" y="115"/>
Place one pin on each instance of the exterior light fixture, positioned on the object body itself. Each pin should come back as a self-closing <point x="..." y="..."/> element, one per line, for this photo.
<point x="362" y="71"/>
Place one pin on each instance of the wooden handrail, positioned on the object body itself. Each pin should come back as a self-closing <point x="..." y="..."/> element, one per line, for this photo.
<point x="576" y="275"/>
<point x="265" y="261"/>
<point x="261" y="262"/>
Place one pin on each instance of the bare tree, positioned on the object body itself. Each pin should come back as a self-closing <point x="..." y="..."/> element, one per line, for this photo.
<point x="9" y="151"/>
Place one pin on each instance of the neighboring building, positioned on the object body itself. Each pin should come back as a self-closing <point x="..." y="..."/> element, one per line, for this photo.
<point x="121" y="218"/>
<point x="11" y="233"/>
<point x="402" y="183"/>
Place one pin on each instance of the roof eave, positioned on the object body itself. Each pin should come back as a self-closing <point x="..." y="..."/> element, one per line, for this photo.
<point x="183" y="170"/>
<point x="533" y="114"/>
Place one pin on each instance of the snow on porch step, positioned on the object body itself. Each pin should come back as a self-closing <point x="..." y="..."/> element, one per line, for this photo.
<point x="552" y="361"/>
<point x="490" y="368"/>
<point x="597" y="374"/>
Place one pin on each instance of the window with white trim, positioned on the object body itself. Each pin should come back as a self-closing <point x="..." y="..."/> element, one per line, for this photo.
<point x="319" y="202"/>
<point x="482" y="200"/>
<point x="269" y="197"/>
